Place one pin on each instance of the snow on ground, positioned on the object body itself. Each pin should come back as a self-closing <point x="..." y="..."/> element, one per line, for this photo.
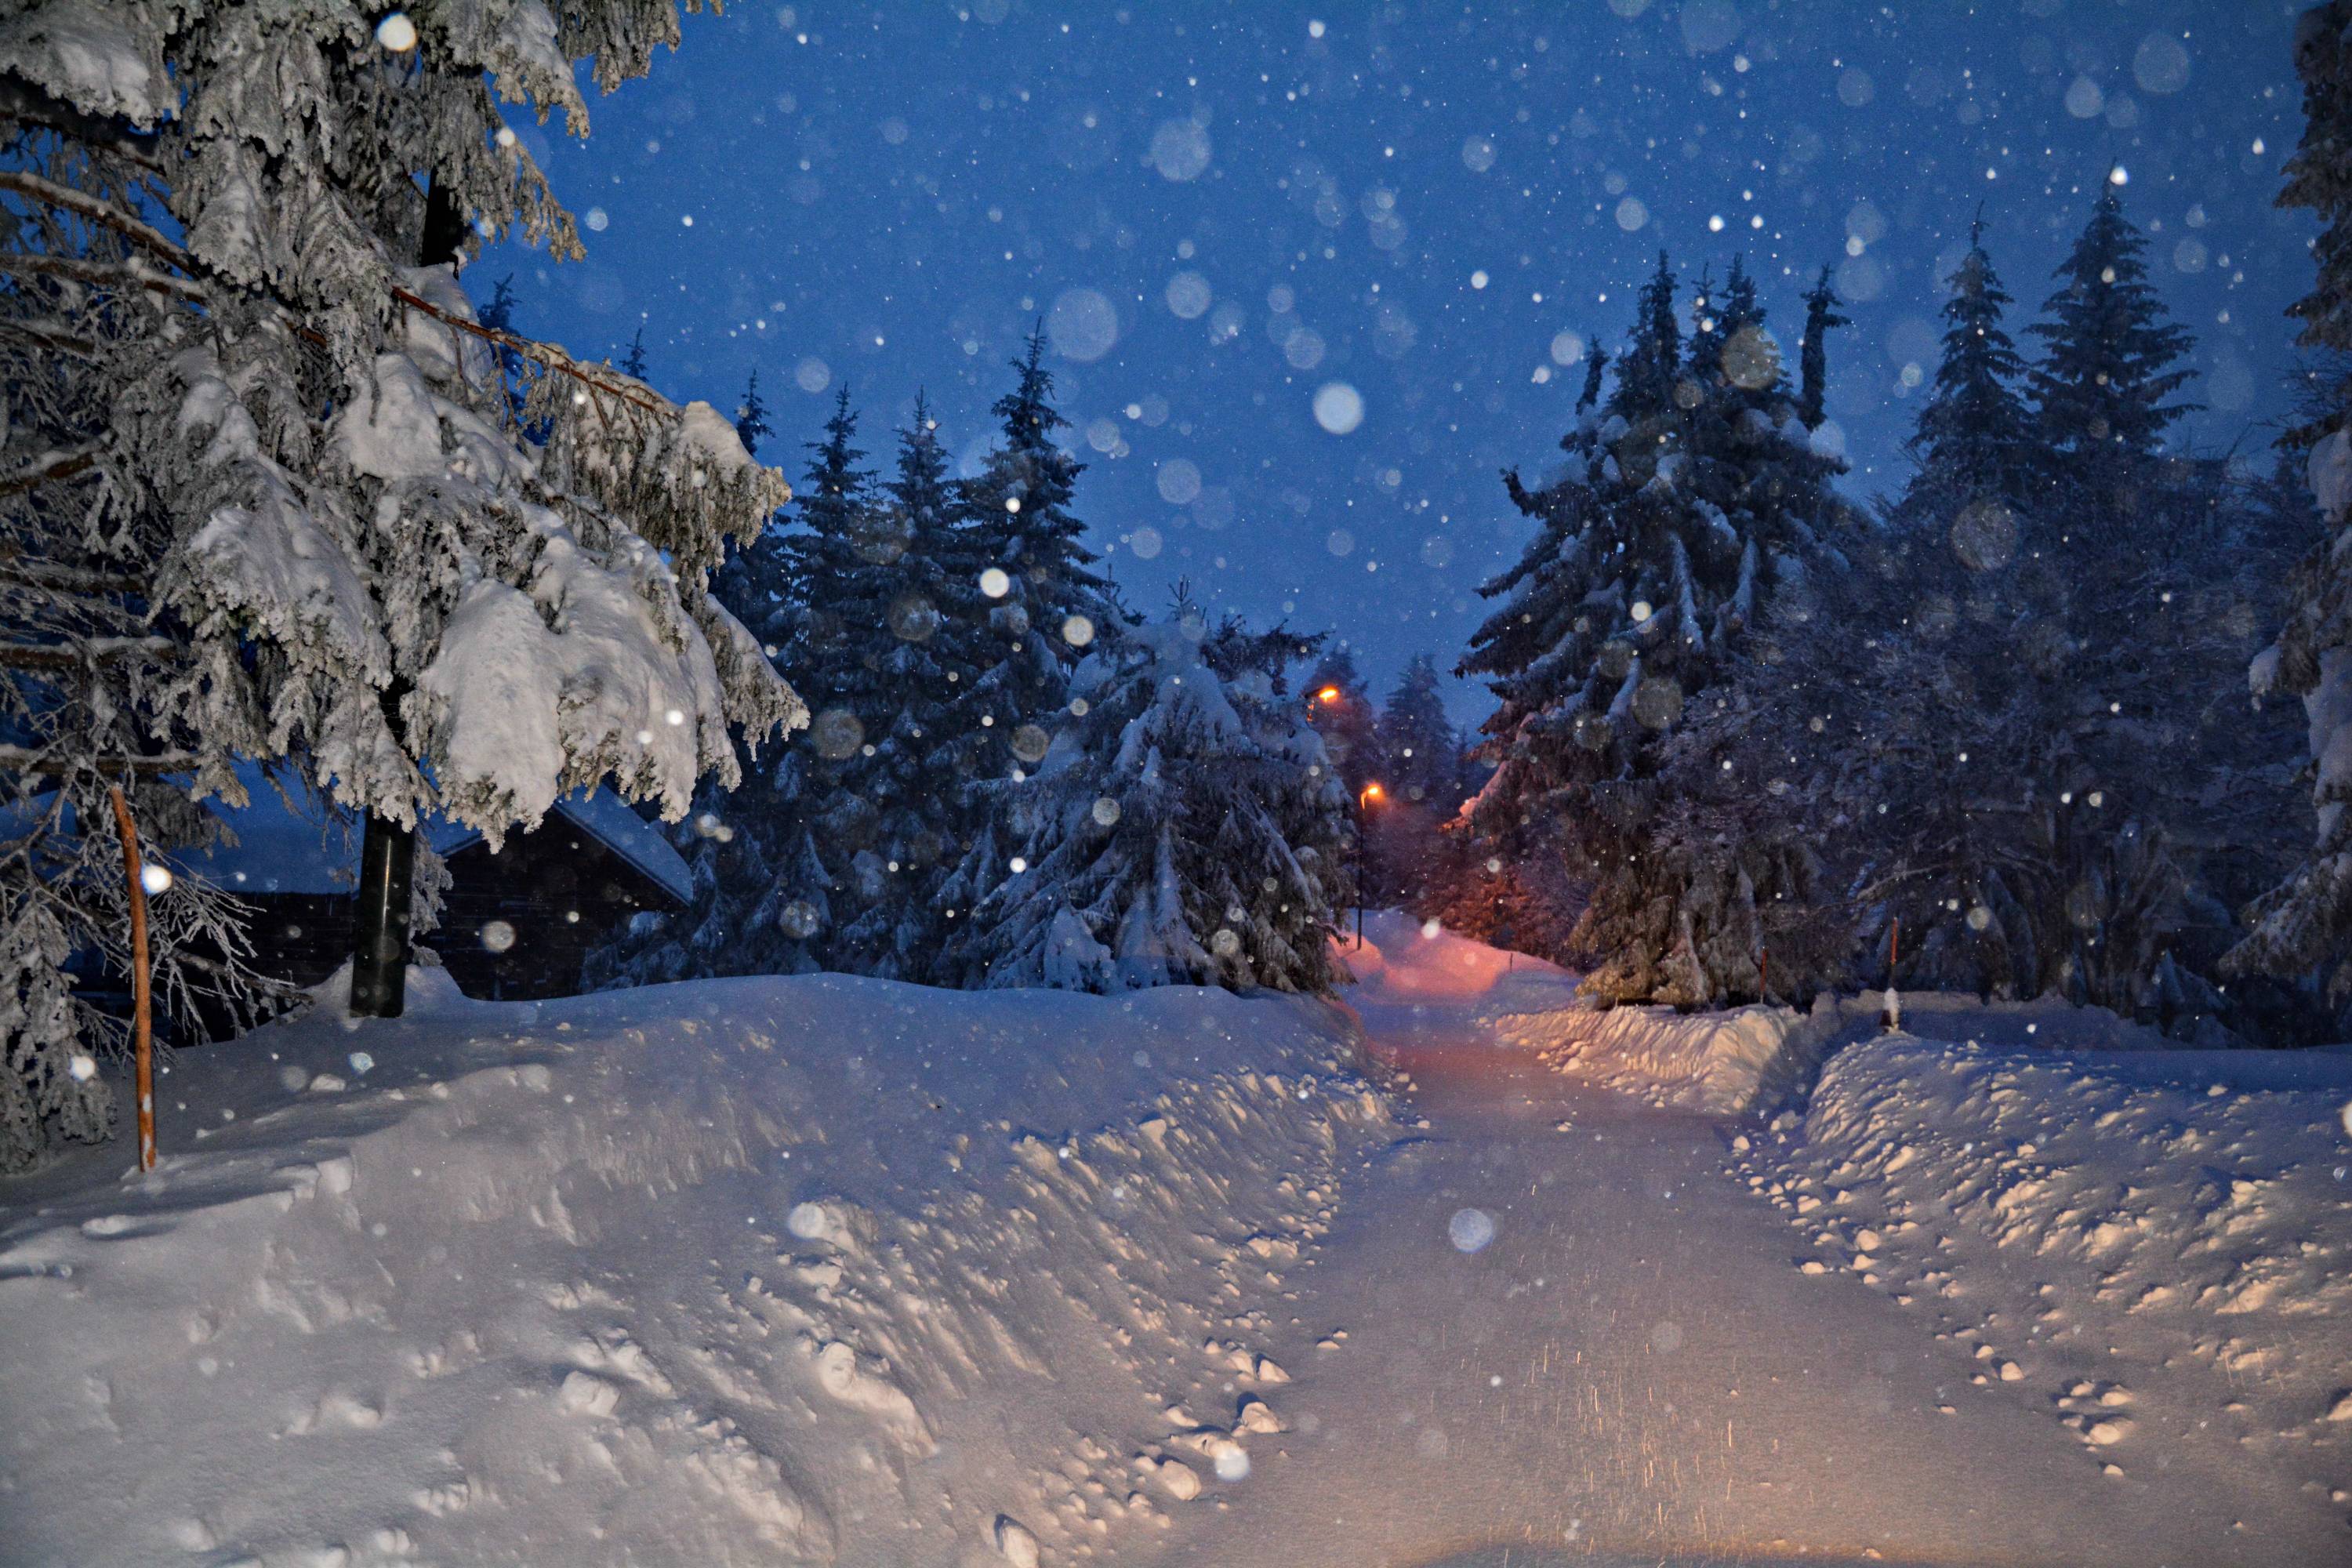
<point x="1401" y="959"/>
<point x="1758" y="1058"/>
<point x="816" y="1268"/>
<point x="2155" y="1248"/>
<point x="1548" y="1331"/>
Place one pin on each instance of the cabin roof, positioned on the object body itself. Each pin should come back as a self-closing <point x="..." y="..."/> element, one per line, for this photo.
<point x="293" y="840"/>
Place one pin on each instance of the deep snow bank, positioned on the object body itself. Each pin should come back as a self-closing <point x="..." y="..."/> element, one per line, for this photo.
<point x="748" y="1271"/>
<point x="2157" y="1245"/>
<point x="1717" y="1063"/>
<point x="1758" y="1059"/>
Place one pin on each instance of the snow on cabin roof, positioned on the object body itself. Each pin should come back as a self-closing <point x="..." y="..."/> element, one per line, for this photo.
<point x="298" y="842"/>
<point x="606" y="818"/>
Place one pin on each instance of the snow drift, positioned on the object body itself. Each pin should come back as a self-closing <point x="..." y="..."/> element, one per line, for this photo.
<point x="2151" y="1242"/>
<point x="1757" y="1059"/>
<point x="812" y="1269"/>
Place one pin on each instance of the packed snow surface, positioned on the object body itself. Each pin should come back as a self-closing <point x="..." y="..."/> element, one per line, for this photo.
<point x="812" y="1269"/>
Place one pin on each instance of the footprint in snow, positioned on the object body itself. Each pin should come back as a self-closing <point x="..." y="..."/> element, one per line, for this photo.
<point x="1013" y="1542"/>
<point x="337" y="1408"/>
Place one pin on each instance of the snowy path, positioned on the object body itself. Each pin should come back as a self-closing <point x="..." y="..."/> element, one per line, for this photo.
<point x="1634" y="1371"/>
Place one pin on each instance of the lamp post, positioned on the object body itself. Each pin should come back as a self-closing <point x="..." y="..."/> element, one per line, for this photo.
<point x="1371" y="796"/>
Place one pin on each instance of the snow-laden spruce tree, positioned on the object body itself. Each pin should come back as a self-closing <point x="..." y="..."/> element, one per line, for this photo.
<point x="2042" y="682"/>
<point x="1046" y="600"/>
<point x="2304" y="924"/>
<point x="1692" y="498"/>
<point x="1186" y="828"/>
<point x="302" y="454"/>
<point x="2111" y="359"/>
<point x="1045" y="605"/>
<point x="1974" y="440"/>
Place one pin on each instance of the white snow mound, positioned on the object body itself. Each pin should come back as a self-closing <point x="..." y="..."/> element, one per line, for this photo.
<point x="1401" y="958"/>
<point x="1719" y="1064"/>
<point x="2145" y="1240"/>
<point x="744" y="1272"/>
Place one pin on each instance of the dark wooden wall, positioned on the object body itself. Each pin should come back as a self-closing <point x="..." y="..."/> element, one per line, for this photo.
<point x="558" y="891"/>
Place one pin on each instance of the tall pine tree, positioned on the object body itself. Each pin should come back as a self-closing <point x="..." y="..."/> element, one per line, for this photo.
<point x="2110" y="354"/>
<point x="1974" y="439"/>
<point x="1693" y="502"/>
<point x="1044" y="605"/>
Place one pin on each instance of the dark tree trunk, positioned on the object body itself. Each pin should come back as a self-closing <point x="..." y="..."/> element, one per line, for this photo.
<point x="388" y="850"/>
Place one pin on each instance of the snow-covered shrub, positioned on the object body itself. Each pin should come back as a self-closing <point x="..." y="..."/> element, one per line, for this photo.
<point x="1186" y="828"/>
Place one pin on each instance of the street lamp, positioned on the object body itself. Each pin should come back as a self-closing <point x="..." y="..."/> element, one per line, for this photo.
<point x="1371" y="796"/>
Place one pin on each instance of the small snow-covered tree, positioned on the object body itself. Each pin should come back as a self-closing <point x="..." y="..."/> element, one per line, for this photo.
<point x="1420" y="786"/>
<point x="1421" y="756"/>
<point x="751" y="424"/>
<point x="307" y="458"/>
<point x="1186" y="828"/>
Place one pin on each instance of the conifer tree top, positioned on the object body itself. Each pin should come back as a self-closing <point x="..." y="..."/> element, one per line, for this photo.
<point x="1973" y="433"/>
<point x="2110" y="347"/>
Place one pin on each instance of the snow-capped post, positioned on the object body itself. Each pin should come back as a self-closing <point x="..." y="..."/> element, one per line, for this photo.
<point x="143" y="1039"/>
<point x="1890" y="1018"/>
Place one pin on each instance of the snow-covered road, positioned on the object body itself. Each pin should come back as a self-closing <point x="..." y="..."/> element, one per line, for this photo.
<point x="1633" y="1369"/>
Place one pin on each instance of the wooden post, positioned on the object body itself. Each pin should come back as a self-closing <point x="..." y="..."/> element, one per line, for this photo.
<point x="143" y="1039"/>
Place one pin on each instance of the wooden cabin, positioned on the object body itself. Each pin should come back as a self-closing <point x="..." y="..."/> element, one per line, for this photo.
<point x="514" y="925"/>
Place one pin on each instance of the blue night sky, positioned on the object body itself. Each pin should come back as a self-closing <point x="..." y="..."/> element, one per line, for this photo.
<point x="1219" y="210"/>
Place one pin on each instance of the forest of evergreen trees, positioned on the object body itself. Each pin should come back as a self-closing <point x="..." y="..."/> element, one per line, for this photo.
<point x="2021" y="728"/>
<point x="1009" y="778"/>
<point x="1992" y="734"/>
